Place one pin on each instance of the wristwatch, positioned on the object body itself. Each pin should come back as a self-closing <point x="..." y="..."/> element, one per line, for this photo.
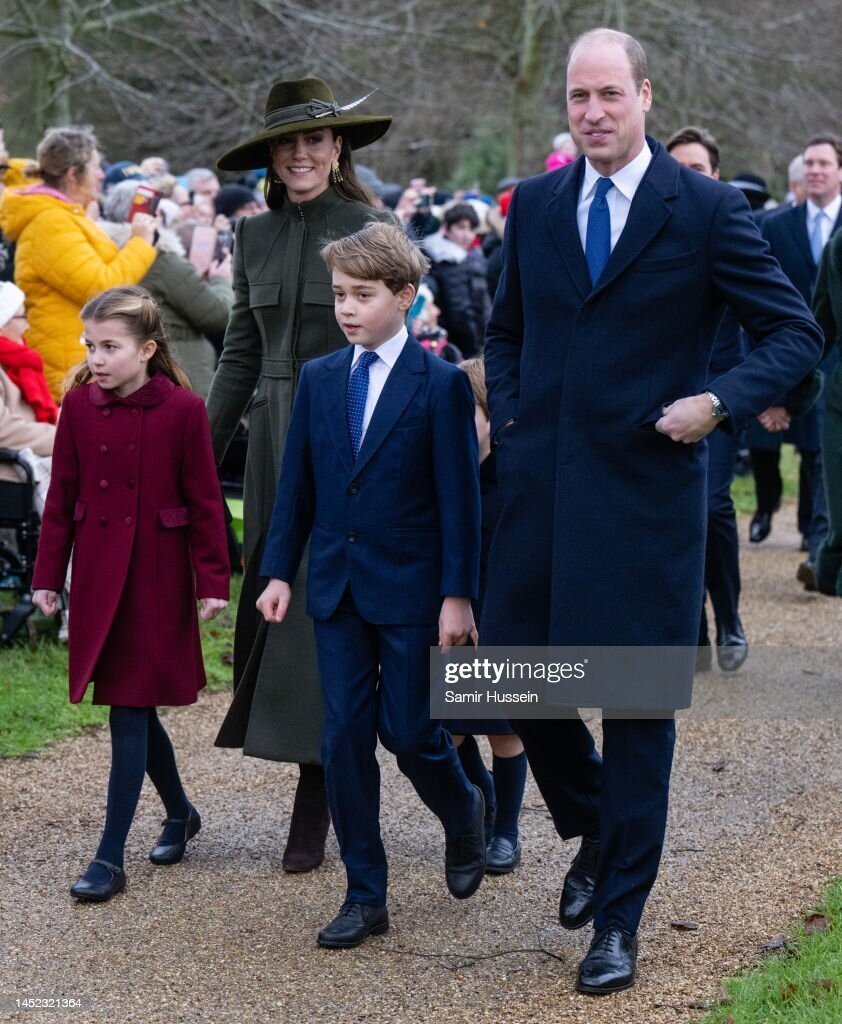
<point x="719" y="410"/>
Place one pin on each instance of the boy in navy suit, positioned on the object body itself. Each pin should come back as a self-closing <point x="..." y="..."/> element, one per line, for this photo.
<point x="380" y="474"/>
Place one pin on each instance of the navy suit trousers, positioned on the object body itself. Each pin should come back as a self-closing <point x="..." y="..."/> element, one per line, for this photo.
<point x="376" y="685"/>
<point x="623" y="795"/>
<point x="722" y="549"/>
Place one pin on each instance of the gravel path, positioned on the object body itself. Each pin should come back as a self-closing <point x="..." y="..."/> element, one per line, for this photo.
<point x="755" y="833"/>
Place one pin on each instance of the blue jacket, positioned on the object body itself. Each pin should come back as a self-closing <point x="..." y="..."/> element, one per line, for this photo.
<point x="401" y="526"/>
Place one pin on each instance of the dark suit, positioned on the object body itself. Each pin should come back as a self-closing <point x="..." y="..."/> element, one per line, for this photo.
<point x="601" y="537"/>
<point x="390" y="535"/>
<point x="786" y="233"/>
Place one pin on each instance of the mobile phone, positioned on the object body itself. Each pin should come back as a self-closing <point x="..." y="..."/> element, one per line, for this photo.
<point x="145" y="200"/>
<point x="202" y="247"/>
<point x="424" y="202"/>
<point x="223" y="244"/>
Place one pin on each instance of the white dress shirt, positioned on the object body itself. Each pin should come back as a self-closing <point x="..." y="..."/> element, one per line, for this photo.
<point x="619" y="198"/>
<point x="831" y="212"/>
<point x="378" y="372"/>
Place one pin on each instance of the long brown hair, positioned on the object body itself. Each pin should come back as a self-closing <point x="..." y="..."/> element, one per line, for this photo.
<point x="350" y="188"/>
<point x="139" y="313"/>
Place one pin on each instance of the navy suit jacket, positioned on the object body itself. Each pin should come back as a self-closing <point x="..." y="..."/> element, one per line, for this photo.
<point x="401" y="525"/>
<point x="786" y="233"/>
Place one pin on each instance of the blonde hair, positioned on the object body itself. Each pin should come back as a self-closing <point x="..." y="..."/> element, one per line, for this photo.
<point x="475" y="369"/>
<point x="139" y="314"/>
<point x="378" y="252"/>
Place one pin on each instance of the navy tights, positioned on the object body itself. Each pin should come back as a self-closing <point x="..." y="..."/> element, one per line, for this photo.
<point x="139" y="745"/>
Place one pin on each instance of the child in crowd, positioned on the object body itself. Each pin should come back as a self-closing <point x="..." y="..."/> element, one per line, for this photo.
<point x="458" y="277"/>
<point x="503" y="791"/>
<point x="134" y="494"/>
<point x="380" y="472"/>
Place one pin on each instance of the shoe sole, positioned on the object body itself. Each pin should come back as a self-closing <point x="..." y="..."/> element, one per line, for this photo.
<point x="586" y="990"/>
<point x="380" y="929"/>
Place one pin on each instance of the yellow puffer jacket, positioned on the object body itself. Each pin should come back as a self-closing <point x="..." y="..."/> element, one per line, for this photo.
<point x="63" y="259"/>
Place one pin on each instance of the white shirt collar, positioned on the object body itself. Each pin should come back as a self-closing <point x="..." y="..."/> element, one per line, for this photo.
<point x="388" y="351"/>
<point x="626" y="180"/>
<point x="831" y="210"/>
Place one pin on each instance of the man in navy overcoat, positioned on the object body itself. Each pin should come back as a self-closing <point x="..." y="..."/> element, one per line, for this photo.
<point x="597" y="354"/>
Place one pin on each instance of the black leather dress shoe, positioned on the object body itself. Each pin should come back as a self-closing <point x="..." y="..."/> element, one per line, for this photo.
<point x="353" y="924"/>
<point x="464" y="857"/>
<point x="761" y="527"/>
<point x="575" y="907"/>
<point x="99" y="892"/>
<point x="502" y="856"/>
<point x="731" y="646"/>
<point x="610" y="963"/>
<point x="806" y="574"/>
<point x="171" y="853"/>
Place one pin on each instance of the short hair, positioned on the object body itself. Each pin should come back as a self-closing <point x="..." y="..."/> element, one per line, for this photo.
<point x="826" y="139"/>
<point x="118" y="203"/>
<point x="795" y="171"/>
<point x="700" y="136"/>
<point x="378" y="252"/>
<point x="63" y="149"/>
<point x="475" y="369"/>
<point x="461" y="211"/>
<point x="197" y="174"/>
<point x="634" y="51"/>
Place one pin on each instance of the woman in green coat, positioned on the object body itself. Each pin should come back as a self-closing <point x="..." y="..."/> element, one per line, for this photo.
<point x="283" y="316"/>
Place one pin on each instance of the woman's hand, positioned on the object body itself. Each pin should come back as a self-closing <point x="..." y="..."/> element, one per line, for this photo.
<point x="143" y="226"/>
<point x="46" y="600"/>
<point x="210" y="607"/>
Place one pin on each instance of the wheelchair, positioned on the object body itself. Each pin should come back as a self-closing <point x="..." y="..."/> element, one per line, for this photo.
<point x="17" y="561"/>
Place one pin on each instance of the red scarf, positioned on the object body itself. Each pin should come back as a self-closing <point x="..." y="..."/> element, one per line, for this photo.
<point x="25" y="368"/>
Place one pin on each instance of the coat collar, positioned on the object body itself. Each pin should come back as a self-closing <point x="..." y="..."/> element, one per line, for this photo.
<point x="153" y="392"/>
<point x="649" y="211"/>
<point x="401" y="385"/>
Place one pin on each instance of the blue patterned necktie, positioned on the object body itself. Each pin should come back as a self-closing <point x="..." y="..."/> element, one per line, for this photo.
<point x="355" y="400"/>
<point x="598" y="234"/>
<point x="817" y="237"/>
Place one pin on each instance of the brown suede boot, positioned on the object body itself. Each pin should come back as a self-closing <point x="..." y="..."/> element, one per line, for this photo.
<point x="305" y="849"/>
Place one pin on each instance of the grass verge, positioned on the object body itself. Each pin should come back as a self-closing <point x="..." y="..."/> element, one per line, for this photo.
<point x="34" y="706"/>
<point x="800" y="983"/>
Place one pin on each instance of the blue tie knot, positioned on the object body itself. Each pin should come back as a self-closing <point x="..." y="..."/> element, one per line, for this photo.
<point x="602" y="186"/>
<point x="366" y="359"/>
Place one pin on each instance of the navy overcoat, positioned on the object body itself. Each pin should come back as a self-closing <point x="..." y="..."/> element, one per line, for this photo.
<point x="602" y="532"/>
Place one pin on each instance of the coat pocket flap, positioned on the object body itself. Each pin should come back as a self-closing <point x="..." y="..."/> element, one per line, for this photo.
<point x="266" y="293"/>
<point x="663" y="263"/>
<point x="172" y="517"/>
<point x="79" y="511"/>
<point x="317" y="293"/>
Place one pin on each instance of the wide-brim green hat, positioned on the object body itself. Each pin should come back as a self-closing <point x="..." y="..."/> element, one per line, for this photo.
<point x="303" y="105"/>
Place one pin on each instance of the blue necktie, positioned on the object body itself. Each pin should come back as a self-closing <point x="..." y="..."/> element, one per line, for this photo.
<point x="598" y="235"/>
<point x="817" y="237"/>
<point x="355" y="400"/>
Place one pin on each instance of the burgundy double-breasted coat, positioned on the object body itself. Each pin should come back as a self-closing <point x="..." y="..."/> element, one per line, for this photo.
<point x="135" y="495"/>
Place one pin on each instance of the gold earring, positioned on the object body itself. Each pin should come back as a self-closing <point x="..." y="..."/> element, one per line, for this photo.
<point x="336" y="173"/>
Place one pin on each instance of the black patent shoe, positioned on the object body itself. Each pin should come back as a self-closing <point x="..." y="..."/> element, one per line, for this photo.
<point x="760" y="528"/>
<point x="99" y="892"/>
<point x="172" y="853"/>
<point x="731" y="647"/>
<point x="575" y="908"/>
<point x="610" y="963"/>
<point x="502" y="856"/>
<point x="352" y="925"/>
<point x="464" y="857"/>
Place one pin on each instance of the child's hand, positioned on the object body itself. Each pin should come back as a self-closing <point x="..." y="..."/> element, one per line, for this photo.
<point x="274" y="601"/>
<point x="46" y="600"/>
<point x="211" y="607"/>
<point x="456" y="623"/>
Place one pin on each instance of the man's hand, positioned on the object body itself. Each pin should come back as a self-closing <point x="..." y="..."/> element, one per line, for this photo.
<point x="456" y="623"/>
<point x="274" y="601"/>
<point x="210" y="607"/>
<point x="687" y="419"/>
<point x="46" y="600"/>
<point x="774" y="419"/>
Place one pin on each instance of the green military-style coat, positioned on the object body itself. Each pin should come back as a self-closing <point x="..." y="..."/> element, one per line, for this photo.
<point x="282" y="316"/>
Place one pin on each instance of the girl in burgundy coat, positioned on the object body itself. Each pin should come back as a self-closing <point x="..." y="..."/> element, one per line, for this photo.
<point x="134" y="494"/>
